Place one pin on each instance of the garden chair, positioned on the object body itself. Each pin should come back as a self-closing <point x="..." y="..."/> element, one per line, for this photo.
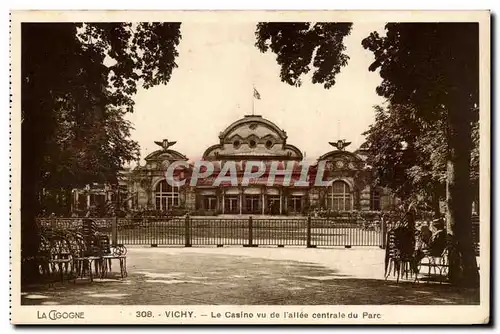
<point x="109" y="253"/>
<point x="437" y="265"/>
<point x="399" y="256"/>
<point x="54" y="255"/>
<point x="90" y="252"/>
<point x="88" y="255"/>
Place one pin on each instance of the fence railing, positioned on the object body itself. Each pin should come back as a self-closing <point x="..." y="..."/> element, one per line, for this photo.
<point x="249" y="232"/>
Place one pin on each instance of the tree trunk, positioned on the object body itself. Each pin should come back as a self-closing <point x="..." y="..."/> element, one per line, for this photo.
<point x="30" y="234"/>
<point x="435" y="203"/>
<point x="463" y="264"/>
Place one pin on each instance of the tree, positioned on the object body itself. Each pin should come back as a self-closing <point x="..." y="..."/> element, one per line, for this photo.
<point x="407" y="155"/>
<point x="435" y="67"/>
<point x="431" y="67"/>
<point x="78" y="81"/>
<point x="300" y="45"/>
<point x="73" y="162"/>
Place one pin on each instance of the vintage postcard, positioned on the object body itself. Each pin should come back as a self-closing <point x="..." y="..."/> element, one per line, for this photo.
<point x="308" y="167"/>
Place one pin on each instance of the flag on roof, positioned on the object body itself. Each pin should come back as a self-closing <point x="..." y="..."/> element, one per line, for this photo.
<point x="256" y="94"/>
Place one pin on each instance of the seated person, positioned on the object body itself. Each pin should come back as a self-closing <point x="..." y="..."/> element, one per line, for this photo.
<point x="424" y="236"/>
<point x="437" y="242"/>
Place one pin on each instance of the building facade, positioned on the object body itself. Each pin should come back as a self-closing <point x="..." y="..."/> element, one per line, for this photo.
<point x="254" y="138"/>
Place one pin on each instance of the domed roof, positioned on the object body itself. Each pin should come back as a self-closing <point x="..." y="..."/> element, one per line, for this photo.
<point x="253" y="136"/>
<point x="161" y="155"/>
<point x="252" y="123"/>
<point x="340" y="159"/>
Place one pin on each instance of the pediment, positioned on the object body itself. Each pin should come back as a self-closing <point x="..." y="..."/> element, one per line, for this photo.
<point x="162" y="155"/>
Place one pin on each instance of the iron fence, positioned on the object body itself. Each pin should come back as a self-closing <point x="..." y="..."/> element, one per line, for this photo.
<point x="346" y="232"/>
<point x="250" y="232"/>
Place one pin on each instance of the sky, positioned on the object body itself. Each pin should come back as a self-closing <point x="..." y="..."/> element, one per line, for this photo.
<point x="218" y="66"/>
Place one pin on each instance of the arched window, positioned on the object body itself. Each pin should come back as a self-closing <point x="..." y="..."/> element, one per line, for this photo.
<point x="166" y="196"/>
<point x="339" y="197"/>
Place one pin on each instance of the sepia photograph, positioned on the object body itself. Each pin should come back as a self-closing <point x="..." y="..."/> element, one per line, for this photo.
<point x="259" y="167"/>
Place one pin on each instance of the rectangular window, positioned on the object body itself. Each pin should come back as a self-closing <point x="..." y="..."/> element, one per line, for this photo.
<point x="210" y="203"/>
<point x="296" y="203"/>
<point x="82" y="202"/>
<point x="100" y="199"/>
<point x="347" y="203"/>
<point x="339" y="202"/>
<point x="252" y="203"/>
<point x="273" y="204"/>
<point x="173" y="201"/>
<point x="231" y="205"/>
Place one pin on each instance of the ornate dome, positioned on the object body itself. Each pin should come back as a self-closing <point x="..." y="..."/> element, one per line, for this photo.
<point x="252" y="136"/>
<point x="340" y="159"/>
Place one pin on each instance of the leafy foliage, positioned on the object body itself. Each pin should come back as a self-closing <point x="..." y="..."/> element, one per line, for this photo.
<point x="78" y="81"/>
<point x="419" y="65"/>
<point x="435" y="68"/>
<point x="390" y="147"/>
<point x="408" y="155"/>
<point x="430" y="76"/>
<point x="300" y="45"/>
<point x="422" y="72"/>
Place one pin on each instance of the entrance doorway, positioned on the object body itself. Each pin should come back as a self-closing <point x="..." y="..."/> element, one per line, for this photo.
<point x="210" y="203"/>
<point x="231" y="205"/>
<point x="273" y="205"/>
<point x="296" y="204"/>
<point x="252" y="203"/>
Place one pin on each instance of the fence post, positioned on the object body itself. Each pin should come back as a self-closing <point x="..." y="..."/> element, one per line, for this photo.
<point x="187" y="231"/>
<point x="250" y="231"/>
<point x="53" y="223"/>
<point x="151" y="224"/>
<point x="308" y="233"/>
<point x="114" y="231"/>
<point x="383" y="230"/>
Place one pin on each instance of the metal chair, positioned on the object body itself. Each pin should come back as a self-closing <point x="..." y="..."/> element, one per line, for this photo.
<point x="438" y="264"/>
<point x="110" y="252"/>
<point x="398" y="259"/>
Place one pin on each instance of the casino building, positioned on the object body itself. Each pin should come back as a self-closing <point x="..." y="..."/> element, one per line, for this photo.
<point x="257" y="139"/>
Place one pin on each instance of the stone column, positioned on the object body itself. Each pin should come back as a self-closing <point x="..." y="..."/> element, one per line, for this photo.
<point x="281" y="201"/>
<point x="263" y="201"/>
<point x="241" y="201"/>
<point x="331" y="204"/>
<point x="365" y="198"/>
<point x="223" y="201"/>
<point x="286" y="201"/>
<point x="77" y="200"/>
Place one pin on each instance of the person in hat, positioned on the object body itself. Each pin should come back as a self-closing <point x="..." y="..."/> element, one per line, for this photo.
<point x="426" y="232"/>
<point x="424" y="235"/>
<point x="437" y="243"/>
